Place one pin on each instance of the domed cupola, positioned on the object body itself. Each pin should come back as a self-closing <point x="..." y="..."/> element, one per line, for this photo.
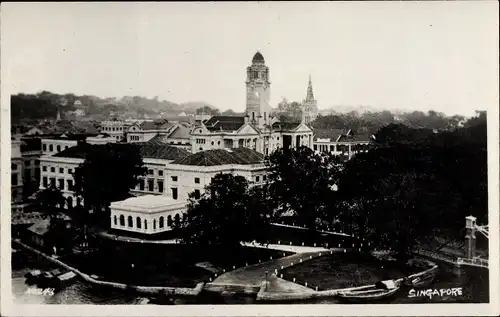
<point x="258" y="58"/>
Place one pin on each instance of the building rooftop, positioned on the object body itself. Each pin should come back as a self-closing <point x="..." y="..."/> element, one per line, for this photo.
<point x="41" y="227"/>
<point x="158" y="150"/>
<point x="285" y="126"/>
<point x="148" y="203"/>
<point x="224" y="123"/>
<point x="239" y="156"/>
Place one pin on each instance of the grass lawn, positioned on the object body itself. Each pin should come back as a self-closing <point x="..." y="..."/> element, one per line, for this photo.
<point x="345" y="270"/>
<point x="162" y="265"/>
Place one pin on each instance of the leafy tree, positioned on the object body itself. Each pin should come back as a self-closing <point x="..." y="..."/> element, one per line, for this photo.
<point x="416" y="182"/>
<point x="207" y="110"/>
<point x="51" y="200"/>
<point x="225" y="215"/>
<point x="301" y="181"/>
<point x="107" y="174"/>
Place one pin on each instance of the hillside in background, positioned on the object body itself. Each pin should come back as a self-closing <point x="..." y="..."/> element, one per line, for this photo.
<point x="46" y="105"/>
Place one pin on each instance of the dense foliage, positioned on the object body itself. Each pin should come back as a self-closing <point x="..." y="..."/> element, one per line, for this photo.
<point x="107" y="174"/>
<point x="301" y="183"/>
<point x="414" y="184"/>
<point x="230" y="211"/>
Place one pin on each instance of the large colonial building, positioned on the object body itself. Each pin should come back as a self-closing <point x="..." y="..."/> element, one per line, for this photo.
<point x="257" y="129"/>
<point x="190" y="174"/>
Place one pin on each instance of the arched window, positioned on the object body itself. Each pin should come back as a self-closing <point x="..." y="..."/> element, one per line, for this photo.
<point x="130" y="221"/>
<point x="169" y="221"/>
<point x="138" y="222"/>
<point x="58" y="148"/>
<point x="115" y="220"/>
<point x="122" y="220"/>
<point x="145" y="224"/>
<point x="51" y="148"/>
<point x="70" y="202"/>
<point x="177" y="219"/>
<point x="154" y="224"/>
<point x="162" y="222"/>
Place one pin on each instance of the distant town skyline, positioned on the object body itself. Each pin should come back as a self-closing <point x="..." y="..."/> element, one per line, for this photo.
<point x="440" y="56"/>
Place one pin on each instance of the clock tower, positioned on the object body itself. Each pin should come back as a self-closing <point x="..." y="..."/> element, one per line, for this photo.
<point x="258" y="92"/>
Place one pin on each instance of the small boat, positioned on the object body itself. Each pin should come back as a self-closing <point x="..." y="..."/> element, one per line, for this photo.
<point x="47" y="277"/>
<point x="420" y="281"/>
<point x="33" y="276"/>
<point x="375" y="292"/>
<point x="64" y="279"/>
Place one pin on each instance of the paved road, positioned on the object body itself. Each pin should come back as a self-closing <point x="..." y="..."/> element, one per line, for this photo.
<point x="256" y="274"/>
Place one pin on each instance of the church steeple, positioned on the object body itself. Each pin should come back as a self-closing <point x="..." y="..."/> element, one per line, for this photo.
<point x="309" y="105"/>
<point x="310" y="95"/>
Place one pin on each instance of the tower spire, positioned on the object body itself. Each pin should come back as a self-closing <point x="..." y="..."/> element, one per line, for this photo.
<point x="310" y="95"/>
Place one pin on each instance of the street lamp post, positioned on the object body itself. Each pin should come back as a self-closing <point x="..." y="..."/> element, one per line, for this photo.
<point x="266" y="279"/>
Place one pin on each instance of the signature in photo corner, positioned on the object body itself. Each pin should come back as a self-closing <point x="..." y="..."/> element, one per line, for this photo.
<point x="434" y="292"/>
<point x="40" y="291"/>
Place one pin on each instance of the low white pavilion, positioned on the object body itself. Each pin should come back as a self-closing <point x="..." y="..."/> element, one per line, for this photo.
<point x="146" y="214"/>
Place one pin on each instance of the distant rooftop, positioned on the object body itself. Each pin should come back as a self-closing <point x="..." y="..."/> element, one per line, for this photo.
<point x="239" y="156"/>
<point x="225" y="123"/>
<point x="148" y="203"/>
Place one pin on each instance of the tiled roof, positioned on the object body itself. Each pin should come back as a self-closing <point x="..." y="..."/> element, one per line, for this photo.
<point x="285" y="126"/>
<point x="180" y="132"/>
<point x="332" y="134"/>
<point x="40" y="228"/>
<point x="355" y="137"/>
<point x="241" y="156"/>
<point x="224" y="123"/>
<point x="156" y="125"/>
<point x="157" y="150"/>
<point x="79" y="151"/>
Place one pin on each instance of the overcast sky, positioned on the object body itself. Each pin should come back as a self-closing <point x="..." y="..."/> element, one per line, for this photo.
<point x="394" y="55"/>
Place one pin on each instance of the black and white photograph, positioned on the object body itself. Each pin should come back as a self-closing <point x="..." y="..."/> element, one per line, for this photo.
<point x="249" y="155"/>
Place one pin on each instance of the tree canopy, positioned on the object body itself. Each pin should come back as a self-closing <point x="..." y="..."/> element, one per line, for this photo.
<point x="415" y="183"/>
<point x="301" y="182"/>
<point x="107" y="174"/>
<point x="228" y="213"/>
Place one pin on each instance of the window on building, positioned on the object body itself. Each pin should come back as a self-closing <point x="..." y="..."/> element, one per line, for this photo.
<point x="52" y="169"/>
<point x="27" y="163"/>
<point x="160" y="172"/>
<point x="160" y="186"/>
<point x="264" y="177"/>
<point x="151" y="185"/>
<point x="13" y="179"/>
<point x="70" y="184"/>
<point x="58" y="148"/>
<point x="13" y="166"/>
<point x="37" y="163"/>
<point x="141" y="184"/>
<point x="253" y="115"/>
<point x="130" y="221"/>
<point x="51" y="148"/>
<point x="70" y="171"/>
<point x="177" y="219"/>
<point x="212" y="142"/>
<point x="169" y="221"/>
<point x="27" y="175"/>
<point x="162" y="222"/>
<point x="197" y="194"/>
<point x="265" y="116"/>
<point x="44" y="168"/>
<point x="315" y="146"/>
<point x="174" y="178"/>
<point x="154" y="224"/>
<point x="150" y="172"/>
<point x="174" y="193"/>
<point x="332" y="147"/>
<point x="52" y="182"/>
<point x="115" y="220"/>
<point x="145" y="224"/>
<point x="44" y="147"/>
<point x="257" y="179"/>
<point x="196" y="180"/>
<point x="61" y="183"/>
<point x="61" y="170"/>
<point x="45" y="182"/>
<point x="138" y="222"/>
